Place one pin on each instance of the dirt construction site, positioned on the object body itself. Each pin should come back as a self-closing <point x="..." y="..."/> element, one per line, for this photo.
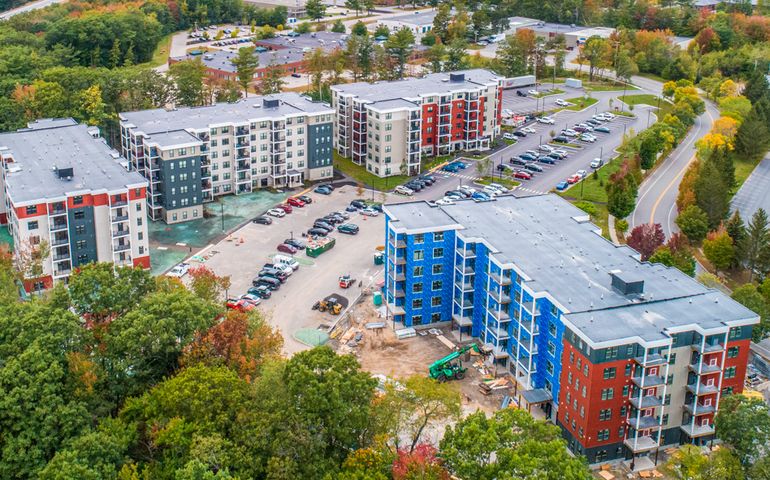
<point x="381" y="352"/>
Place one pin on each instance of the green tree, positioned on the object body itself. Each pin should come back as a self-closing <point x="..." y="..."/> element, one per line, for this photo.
<point x="272" y="81"/>
<point x="711" y="194"/>
<point x="115" y="54"/>
<point x="381" y="31"/>
<point x="359" y="28"/>
<point x="246" y="63"/>
<point x="756" y="87"/>
<point x="744" y="424"/>
<point x="625" y="67"/>
<point x="188" y="76"/>
<point x="648" y="151"/>
<point x="694" y="223"/>
<point x="441" y="21"/>
<point x="338" y="27"/>
<point x="455" y="59"/>
<point x="596" y="51"/>
<point x="737" y="231"/>
<point x="102" y="291"/>
<point x="621" y="194"/>
<point x="93" y="110"/>
<point x="753" y="137"/>
<point x="755" y="247"/>
<point x="719" y="249"/>
<point x="315" y="9"/>
<point x="510" y="441"/>
<point x="750" y="297"/>
<point x="435" y="56"/>
<point x="689" y="463"/>
<point x="400" y="46"/>
<point x="354" y="5"/>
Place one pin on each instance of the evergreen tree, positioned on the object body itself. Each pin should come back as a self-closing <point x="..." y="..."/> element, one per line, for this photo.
<point x="338" y="27"/>
<point x="315" y="9"/>
<point x="115" y="54"/>
<point x="753" y="137"/>
<point x="246" y="63"/>
<point x="272" y="82"/>
<point x="455" y="59"/>
<point x="711" y="194"/>
<point x="755" y="247"/>
<point x="737" y="231"/>
<point x="400" y="46"/>
<point x="694" y="223"/>
<point x="756" y="87"/>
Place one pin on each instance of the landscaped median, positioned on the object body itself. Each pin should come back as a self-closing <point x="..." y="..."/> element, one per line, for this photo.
<point x="360" y="174"/>
<point x="580" y="103"/>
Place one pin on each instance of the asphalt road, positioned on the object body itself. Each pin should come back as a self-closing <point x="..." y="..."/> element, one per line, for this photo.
<point x="28" y="8"/>
<point x="755" y="191"/>
<point x="656" y="202"/>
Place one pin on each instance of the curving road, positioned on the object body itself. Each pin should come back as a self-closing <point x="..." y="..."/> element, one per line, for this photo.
<point x="28" y="8"/>
<point x="656" y="202"/>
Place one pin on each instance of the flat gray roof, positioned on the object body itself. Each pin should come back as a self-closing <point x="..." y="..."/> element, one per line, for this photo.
<point x="247" y="110"/>
<point x="559" y="252"/>
<point x="417" y="18"/>
<point x="173" y="138"/>
<point x="48" y="144"/>
<point x="324" y="40"/>
<point x="412" y="88"/>
<point x="223" y="60"/>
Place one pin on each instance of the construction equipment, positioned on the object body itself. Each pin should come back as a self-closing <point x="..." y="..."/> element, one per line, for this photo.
<point x="329" y="304"/>
<point x="451" y="366"/>
<point x="346" y="281"/>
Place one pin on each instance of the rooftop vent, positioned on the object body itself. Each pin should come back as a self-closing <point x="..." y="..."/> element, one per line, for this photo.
<point x="627" y="284"/>
<point x="64" y="173"/>
<point x="456" y="77"/>
<point x="270" y="103"/>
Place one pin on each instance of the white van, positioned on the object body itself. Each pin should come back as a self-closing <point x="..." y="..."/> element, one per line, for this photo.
<point x="286" y="261"/>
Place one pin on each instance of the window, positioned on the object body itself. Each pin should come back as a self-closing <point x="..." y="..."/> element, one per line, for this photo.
<point x="732" y="352"/>
<point x="417" y="287"/>
<point x="572" y="357"/>
<point x="672" y="359"/>
<point x="568" y="397"/>
<point x="32" y="225"/>
<point x="436" y="285"/>
<point x="621" y="431"/>
<point x="417" y="319"/>
<point x="435" y="301"/>
<point x="549" y="367"/>
<point x="551" y="348"/>
<point x="609" y="373"/>
<point x="582" y="411"/>
<point x="622" y="414"/>
<point x="80" y="244"/>
<point x="77" y="200"/>
<point x="670" y="379"/>
<point x="730" y="372"/>
<point x="438" y="252"/>
<point x="664" y="419"/>
<point x="569" y="378"/>
<point x="31" y="209"/>
<point x="667" y="399"/>
<point x="608" y="393"/>
<point x="419" y="238"/>
<point x="79" y="215"/>
<point x="80" y="229"/>
<point x="628" y="370"/>
<point x="418" y="255"/>
<point x="611" y="353"/>
<point x="552" y="329"/>
<point x="438" y="236"/>
<point x="625" y="390"/>
<point x="417" y="271"/>
<point x="417" y="303"/>
<point x="603" y="435"/>
<point x="583" y="391"/>
<point x="579" y="363"/>
<point x="138" y="207"/>
<point x="735" y="332"/>
<point x="435" y="317"/>
<point x="605" y="414"/>
<point x="437" y="269"/>
<point x="585" y="369"/>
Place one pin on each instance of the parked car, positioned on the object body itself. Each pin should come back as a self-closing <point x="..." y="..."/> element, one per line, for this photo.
<point x="532" y="92"/>
<point x="263" y="220"/>
<point x="602" y="129"/>
<point x="520" y="93"/>
<point x="586" y="126"/>
<point x="509" y="136"/>
<point x="430" y="179"/>
<point x="414" y="186"/>
<point x="454" y="194"/>
<point x="466" y="189"/>
<point x="295" y="202"/>
<point x="239" y="304"/>
<point x="561" y="139"/>
<point x="348" y="228"/>
<point x="451" y="168"/>
<point x="295" y="242"/>
<point x="276" y="212"/>
<point x="296" y="75"/>
<point x="461" y="165"/>
<point x="344" y="215"/>
<point x="287" y="270"/>
<point x="546" y="120"/>
<point x="562" y="186"/>
<point x="286" y="248"/>
<point x="569" y="132"/>
<point x="317" y="232"/>
<point x="498" y="187"/>
<point x="562" y="103"/>
<point x="593" y="123"/>
<point x="573" y="179"/>
<point x="546" y="159"/>
<point x="323" y="190"/>
<point x="561" y="153"/>
<point x="322" y="224"/>
<point x="528" y="130"/>
<point x="519" y="134"/>
<point x="179" y="271"/>
<point x="546" y="148"/>
<point x="305" y="199"/>
<point x="522" y="175"/>
<point x="579" y="129"/>
<point x="528" y="157"/>
<point x="481" y="196"/>
<point x="268" y="282"/>
<point x="274" y="273"/>
<point x="255" y="299"/>
<point x="370" y="212"/>
<point x="490" y="190"/>
<point x="609" y="115"/>
<point x="285" y="207"/>
<point x="582" y="173"/>
<point x="554" y="156"/>
<point x="588" y="138"/>
<point x="360" y="204"/>
<point x="518" y="161"/>
<point x="260" y="291"/>
<point x="533" y="167"/>
<point x="596" y="163"/>
<point x="445" y="201"/>
<point x="533" y="153"/>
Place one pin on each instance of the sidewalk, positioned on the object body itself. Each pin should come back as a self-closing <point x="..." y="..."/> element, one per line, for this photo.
<point x="611" y="228"/>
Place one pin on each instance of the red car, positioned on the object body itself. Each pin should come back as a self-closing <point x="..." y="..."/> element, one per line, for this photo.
<point x="285" y="207"/>
<point x="240" y="304"/>
<point x="573" y="179"/>
<point x="295" y="202"/>
<point x="522" y="175"/>
<point x="286" y="248"/>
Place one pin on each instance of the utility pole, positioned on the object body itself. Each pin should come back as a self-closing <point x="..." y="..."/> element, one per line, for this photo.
<point x="222" y="214"/>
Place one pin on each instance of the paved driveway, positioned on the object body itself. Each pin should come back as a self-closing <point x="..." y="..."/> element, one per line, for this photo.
<point x="755" y="192"/>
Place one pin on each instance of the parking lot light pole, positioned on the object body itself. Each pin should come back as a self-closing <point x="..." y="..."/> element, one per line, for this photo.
<point x="222" y="214"/>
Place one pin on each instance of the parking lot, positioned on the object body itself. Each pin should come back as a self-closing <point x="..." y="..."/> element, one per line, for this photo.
<point x="242" y="254"/>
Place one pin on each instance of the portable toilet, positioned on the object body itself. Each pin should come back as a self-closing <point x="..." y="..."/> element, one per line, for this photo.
<point x="377" y="299"/>
<point x="379" y="258"/>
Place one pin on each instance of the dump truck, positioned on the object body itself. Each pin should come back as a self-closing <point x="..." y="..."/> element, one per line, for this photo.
<point x="315" y="248"/>
<point x="451" y="366"/>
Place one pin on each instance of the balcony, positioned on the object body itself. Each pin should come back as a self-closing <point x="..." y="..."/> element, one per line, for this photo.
<point x="500" y="298"/>
<point x="499" y="333"/>
<point x="694" y="431"/>
<point x="61" y="257"/>
<point x="57" y="211"/>
<point x="466" y="253"/>
<point x="400" y="277"/>
<point x="500" y="279"/>
<point x="57" y="226"/>
<point x="648" y="401"/>
<point x="499" y="351"/>
<point x="399" y="293"/>
<point x="399" y="260"/>
<point x="535" y="331"/>
<point x="120" y="218"/>
<point x="699" y="388"/>
<point x="55" y="242"/>
<point x="704" y="368"/>
<point x="400" y="244"/>
<point x="501" y="315"/>
<point x="279" y="137"/>
<point x="648" y="381"/>
<point x="242" y="166"/>
<point x="642" y="443"/>
<point x="651" y="360"/>
<point x="695" y="408"/>
<point x="241" y="131"/>
<point x="120" y="233"/>
<point x="534" y="351"/>
<point x="708" y="348"/>
<point x="63" y="272"/>
<point x="242" y="154"/>
<point x="465" y="286"/>
<point x="119" y="203"/>
<point x="121" y="247"/>
<point x="643" y="423"/>
<point x="461" y="320"/>
<point x="468" y="270"/>
<point x="395" y="309"/>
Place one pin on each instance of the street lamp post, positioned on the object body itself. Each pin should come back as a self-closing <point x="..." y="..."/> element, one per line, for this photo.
<point x="222" y="214"/>
<point x="648" y="118"/>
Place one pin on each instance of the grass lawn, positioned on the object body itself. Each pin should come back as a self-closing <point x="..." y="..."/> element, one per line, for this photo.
<point x="580" y="103"/>
<point x="162" y="51"/>
<point x="593" y="187"/>
<point x="504" y="181"/>
<point x="435" y="162"/>
<point x="743" y="168"/>
<point x="360" y="174"/>
<point x="603" y="87"/>
<point x="647" y="99"/>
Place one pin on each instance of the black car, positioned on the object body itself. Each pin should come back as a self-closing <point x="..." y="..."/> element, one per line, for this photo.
<point x="326" y="185"/>
<point x="332" y="219"/>
<point x="351" y="209"/>
<point x="414" y="186"/>
<point x="520" y="93"/>
<point x="555" y="156"/>
<point x="305" y="199"/>
<point x="338" y="217"/>
<point x="317" y="232"/>
<point x="269" y="282"/>
<point x="533" y="167"/>
<point x="518" y="161"/>
<point x="273" y="272"/>
<point x="593" y="122"/>
<point x="526" y="156"/>
<point x="323" y="225"/>
<point x="261" y="291"/>
<point x="519" y="134"/>
<point x="296" y="75"/>
<point x="428" y="178"/>
<point x="500" y="167"/>
<point x="358" y="204"/>
<point x="263" y="220"/>
<point x="295" y="242"/>
<point x="546" y="159"/>
<point x="561" y="138"/>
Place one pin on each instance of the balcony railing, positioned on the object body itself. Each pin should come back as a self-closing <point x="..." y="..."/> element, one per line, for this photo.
<point x="119" y="218"/>
<point x="704" y="368"/>
<point x="708" y="347"/>
<point x="56" y="226"/>
<point x="461" y="320"/>
<point x="699" y="388"/>
<point x="641" y="443"/>
<point x="122" y="247"/>
<point x="649" y="381"/>
<point x="643" y="423"/>
<point x="60" y="241"/>
<point x="695" y="408"/>
<point x="647" y="401"/>
<point x="120" y="233"/>
<point x="694" y="431"/>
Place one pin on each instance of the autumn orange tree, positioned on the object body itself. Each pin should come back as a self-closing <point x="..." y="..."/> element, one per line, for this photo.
<point x="208" y="285"/>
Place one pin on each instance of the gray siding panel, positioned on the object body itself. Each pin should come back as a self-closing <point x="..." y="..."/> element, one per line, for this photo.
<point x="319" y="145"/>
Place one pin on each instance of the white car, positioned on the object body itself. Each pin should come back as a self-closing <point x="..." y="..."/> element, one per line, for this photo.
<point x="276" y="212"/>
<point x="251" y="298"/>
<point x="490" y="190"/>
<point x="499" y="187"/>
<point x="532" y="92"/>
<point x="369" y="212"/>
<point x="467" y="190"/>
<point x="569" y="132"/>
<point x="562" y="103"/>
<point x="581" y="173"/>
<point x="561" y="153"/>
<point x="609" y="115"/>
<point x="507" y="112"/>
<point x="596" y="163"/>
<point x="445" y="201"/>
<point x="586" y="126"/>
<point x="588" y="138"/>
<point x="528" y="130"/>
<point x="546" y="120"/>
<point x="600" y="117"/>
<point x="179" y="271"/>
<point x="509" y="136"/>
<point x="546" y="148"/>
<point x="404" y="190"/>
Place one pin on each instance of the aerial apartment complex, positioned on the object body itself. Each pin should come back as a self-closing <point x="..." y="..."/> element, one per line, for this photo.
<point x="625" y="356"/>
<point x="67" y="193"/>
<point x="192" y="155"/>
<point x="388" y="126"/>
